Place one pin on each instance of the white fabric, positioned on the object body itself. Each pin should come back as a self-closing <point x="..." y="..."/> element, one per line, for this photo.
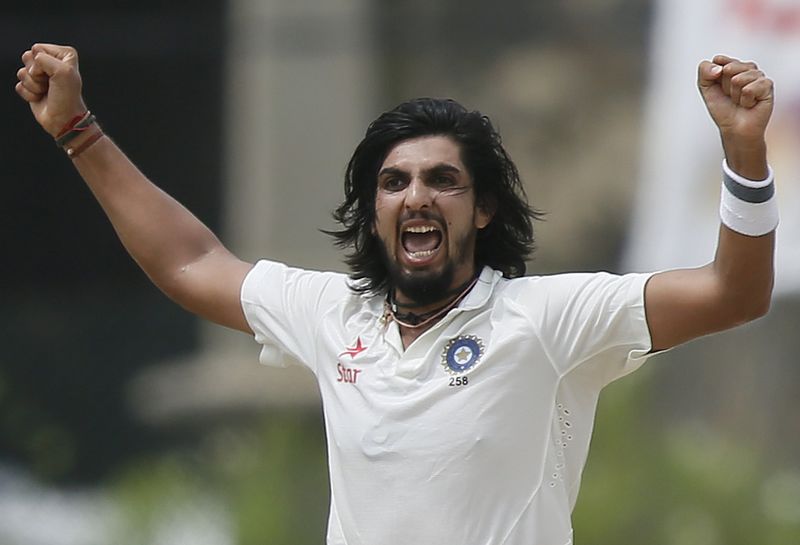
<point x="747" y="182"/>
<point x="753" y="219"/>
<point x="416" y="458"/>
<point x="747" y="218"/>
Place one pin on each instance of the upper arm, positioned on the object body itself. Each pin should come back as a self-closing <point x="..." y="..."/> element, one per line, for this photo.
<point x="211" y="288"/>
<point x="735" y="288"/>
<point x="681" y="305"/>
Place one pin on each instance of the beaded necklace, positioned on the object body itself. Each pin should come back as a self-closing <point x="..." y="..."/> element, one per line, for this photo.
<point x="415" y="321"/>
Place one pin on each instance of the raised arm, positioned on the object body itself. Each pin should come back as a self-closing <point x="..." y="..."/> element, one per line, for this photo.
<point x="179" y="254"/>
<point x="737" y="286"/>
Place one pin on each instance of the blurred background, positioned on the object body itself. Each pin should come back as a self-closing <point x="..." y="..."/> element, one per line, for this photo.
<point x="124" y="420"/>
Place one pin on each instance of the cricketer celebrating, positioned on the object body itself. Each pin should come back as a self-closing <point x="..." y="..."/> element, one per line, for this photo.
<point x="459" y="395"/>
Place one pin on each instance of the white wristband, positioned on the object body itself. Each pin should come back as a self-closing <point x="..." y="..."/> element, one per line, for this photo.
<point x="747" y="206"/>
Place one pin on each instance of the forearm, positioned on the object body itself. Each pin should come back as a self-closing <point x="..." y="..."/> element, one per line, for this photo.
<point x="734" y="288"/>
<point x="747" y="156"/>
<point x="179" y="254"/>
<point x="743" y="271"/>
<point x="744" y="265"/>
<point x="162" y="236"/>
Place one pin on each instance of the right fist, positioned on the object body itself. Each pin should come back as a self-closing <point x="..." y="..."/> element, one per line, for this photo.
<point x="51" y="84"/>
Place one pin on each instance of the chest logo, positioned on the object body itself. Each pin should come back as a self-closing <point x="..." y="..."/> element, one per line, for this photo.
<point x="354" y="350"/>
<point x="462" y="353"/>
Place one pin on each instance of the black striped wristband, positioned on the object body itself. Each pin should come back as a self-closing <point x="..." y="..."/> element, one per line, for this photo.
<point x="747" y="206"/>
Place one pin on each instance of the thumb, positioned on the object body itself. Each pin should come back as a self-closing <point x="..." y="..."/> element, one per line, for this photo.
<point x="44" y="63"/>
<point x="708" y="74"/>
<point x="65" y="53"/>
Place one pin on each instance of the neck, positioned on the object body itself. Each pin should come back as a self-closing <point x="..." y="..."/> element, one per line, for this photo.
<point x="413" y="315"/>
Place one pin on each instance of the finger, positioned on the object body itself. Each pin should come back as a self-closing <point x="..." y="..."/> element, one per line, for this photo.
<point x="739" y="81"/>
<point x="30" y="64"/>
<point x="63" y="53"/>
<point x="708" y="74"/>
<point x="731" y="70"/>
<point x="25" y="94"/>
<point x="37" y="71"/>
<point x="47" y="64"/>
<point x="27" y="58"/>
<point x="734" y="67"/>
<point x="722" y="60"/>
<point x="34" y="85"/>
<point x="761" y="90"/>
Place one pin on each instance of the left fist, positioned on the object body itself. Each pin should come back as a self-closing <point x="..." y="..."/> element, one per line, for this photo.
<point x="738" y="96"/>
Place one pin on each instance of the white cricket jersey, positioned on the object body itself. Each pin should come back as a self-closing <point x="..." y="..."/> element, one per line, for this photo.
<point x="476" y="433"/>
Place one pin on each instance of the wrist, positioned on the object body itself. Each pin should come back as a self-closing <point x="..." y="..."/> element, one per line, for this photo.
<point x="78" y="134"/>
<point x="748" y="206"/>
<point x="746" y="155"/>
<point x="84" y="141"/>
<point x="59" y="124"/>
<point x="74" y="128"/>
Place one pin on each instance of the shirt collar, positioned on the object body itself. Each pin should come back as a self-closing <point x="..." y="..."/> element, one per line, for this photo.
<point x="480" y="294"/>
<point x="476" y="298"/>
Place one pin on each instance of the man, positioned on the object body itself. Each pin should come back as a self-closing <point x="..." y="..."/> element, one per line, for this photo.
<point x="459" y="396"/>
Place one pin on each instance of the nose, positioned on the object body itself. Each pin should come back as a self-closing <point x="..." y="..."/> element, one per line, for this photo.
<point x="418" y="195"/>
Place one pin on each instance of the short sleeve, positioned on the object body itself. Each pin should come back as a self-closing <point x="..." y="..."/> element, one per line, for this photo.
<point x="597" y="320"/>
<point x="284" y="305"/>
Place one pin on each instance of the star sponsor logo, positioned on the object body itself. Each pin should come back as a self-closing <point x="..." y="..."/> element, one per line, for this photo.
<point x="462" y="353"/>
<point x="354" y="350"/>
<point x="347" y="374"/>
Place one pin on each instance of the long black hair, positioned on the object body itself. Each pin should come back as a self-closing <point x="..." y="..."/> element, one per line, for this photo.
<point x="504" y="244"/>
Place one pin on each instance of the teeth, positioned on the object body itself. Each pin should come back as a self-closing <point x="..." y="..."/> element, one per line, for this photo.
<point x="420" y="229"/>
<point x="422" y="253"/>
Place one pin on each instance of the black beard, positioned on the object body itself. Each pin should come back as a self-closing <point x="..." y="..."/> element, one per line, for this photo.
<point x="422" y="287"/>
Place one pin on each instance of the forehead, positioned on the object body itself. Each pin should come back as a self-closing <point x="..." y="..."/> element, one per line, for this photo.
<point x="424" y="153"/>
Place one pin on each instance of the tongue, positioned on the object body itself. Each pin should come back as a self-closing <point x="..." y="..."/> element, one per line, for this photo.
<point x="420" y="242"/>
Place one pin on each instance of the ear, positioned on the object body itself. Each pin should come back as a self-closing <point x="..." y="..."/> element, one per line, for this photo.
<point x="484" y="211"/>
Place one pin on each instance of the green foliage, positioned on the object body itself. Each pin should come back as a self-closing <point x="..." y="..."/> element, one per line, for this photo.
<point x="685" y="485"/>
<point x="266" y="484"/>
<point x="277" y="484"/>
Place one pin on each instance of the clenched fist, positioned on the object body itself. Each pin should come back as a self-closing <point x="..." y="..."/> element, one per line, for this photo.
<point x="738" y="96"/>
<point x="50" y="82"/>
<point x="740" y="99"/>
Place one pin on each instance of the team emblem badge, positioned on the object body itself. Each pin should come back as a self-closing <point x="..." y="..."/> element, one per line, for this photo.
<point x="462" y="353"/>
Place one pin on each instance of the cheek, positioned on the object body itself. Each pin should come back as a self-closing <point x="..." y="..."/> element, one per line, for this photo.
<point x="386" y="210"/>
<point x="381" y="221"/>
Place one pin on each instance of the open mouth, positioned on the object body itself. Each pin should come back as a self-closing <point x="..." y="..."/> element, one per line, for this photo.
<point x="421" y="241"/>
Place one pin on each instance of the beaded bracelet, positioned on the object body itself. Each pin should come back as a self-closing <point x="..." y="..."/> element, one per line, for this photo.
<point x="83" y="146"/>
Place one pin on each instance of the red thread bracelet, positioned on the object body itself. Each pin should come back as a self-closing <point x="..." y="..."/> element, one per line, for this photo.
<point x="71" y="124"/>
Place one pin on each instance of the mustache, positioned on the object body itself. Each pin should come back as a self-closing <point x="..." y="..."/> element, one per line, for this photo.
<point x="420" y="215"/>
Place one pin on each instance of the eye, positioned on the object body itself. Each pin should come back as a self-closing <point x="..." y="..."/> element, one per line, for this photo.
<point x="442" y="180"/>
<point x="393" y="183"/>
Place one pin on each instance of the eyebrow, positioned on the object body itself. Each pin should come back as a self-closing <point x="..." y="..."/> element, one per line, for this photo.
<point x="442" y="168"/>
